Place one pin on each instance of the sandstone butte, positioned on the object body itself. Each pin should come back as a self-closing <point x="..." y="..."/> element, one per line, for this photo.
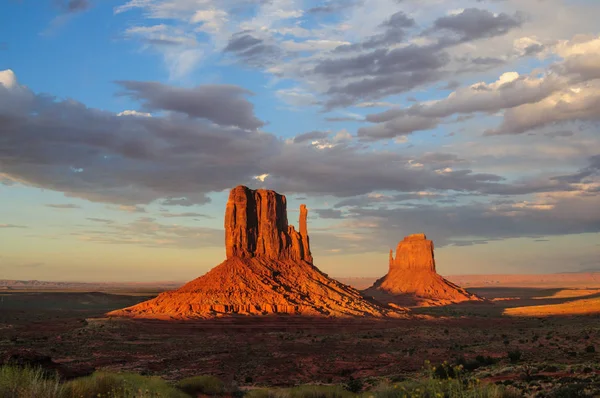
<point x="412" y="278"/>
<point x="269" y="270"/>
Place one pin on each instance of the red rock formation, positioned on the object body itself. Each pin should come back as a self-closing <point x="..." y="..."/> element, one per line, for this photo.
<point x="268" y="270"/>
<point x="256" y="225"/>
<point x="412" y="278"/>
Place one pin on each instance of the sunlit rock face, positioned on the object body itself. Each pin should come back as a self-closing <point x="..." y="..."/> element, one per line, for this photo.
<point x="412" y="278"/>
<point x="256" y="225"/>
<point x="268" y="270"/>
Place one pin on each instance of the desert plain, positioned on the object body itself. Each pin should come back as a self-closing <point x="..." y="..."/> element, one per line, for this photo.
<point x="552" y="328"/>
<point x="268" y="317"/>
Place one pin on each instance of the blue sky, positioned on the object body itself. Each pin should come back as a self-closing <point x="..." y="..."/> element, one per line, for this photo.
<point x="124" y="123"/>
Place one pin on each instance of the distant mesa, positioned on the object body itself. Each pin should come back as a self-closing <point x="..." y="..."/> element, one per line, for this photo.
<point x="269" y="270"/>
<point x="412" y="278"/>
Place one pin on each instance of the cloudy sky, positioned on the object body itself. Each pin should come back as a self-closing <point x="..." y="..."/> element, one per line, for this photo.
<point x="124" y="123"/>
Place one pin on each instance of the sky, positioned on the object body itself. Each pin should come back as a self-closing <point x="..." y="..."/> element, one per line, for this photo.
<point x="125" y="123"/>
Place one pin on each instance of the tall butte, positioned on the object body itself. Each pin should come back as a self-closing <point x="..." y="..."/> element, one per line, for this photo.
<point x="268" y="270"/>
<point x="413" y="280"/>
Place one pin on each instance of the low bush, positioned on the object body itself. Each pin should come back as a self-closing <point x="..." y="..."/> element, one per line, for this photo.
<point x="476" y="363"/>
<point x="453" y="388"/>
<point x="307" y="391"/>
<point x="514" y="356"/>
<point x="19" y="382"/>
<point x="354" y="385"/>
<point x="120" y="385"/>
<point x="207" y="385"/>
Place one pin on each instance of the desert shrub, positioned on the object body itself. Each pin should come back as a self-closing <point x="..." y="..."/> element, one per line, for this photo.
<point x="590" y="349"/>
<point x="443" y="370"/>
<point x="455" y="388"/>
<point x="207" y="385"/>
<point x="476" y="363"/>
<point x="19" y="382"/>
<point x="354" y="385"/>
<point x="307" y="391"/>
<point x="514" y="356"/>
<point x="120" y="385"/>
<point x="346" y="372"/>
<point x="570" y="391"/>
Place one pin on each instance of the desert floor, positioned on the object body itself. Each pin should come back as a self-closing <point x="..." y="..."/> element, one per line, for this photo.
<point x="552" y="328"/>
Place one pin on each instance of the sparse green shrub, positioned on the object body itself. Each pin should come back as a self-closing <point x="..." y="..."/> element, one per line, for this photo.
<point x="455" y="388"/>
<point x="570" y="391"/>
<point x="485" y="360"/>
<point x="442" y="371"/>
<point x="514" y="356"/>
<point x="590" y="349"/>
<point x="207" y="385"/>
<point x="19" y="382"/>
<point x="120" y="385"/>
<point x="307" y="391"/>
<point x="354" y="385"/>
<point x="478" y="362"/>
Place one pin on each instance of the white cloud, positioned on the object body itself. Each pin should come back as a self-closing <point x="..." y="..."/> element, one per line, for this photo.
<point x="342" y="136"/>
<point x="8" y="79"/>
<point x="578" y="45"/>
<point x="296" y="96"/>
<point x="261" y="177"/>
<point x="180" y="63"/>
<point x="134" y="113"/>
<point x="312" y="45"/>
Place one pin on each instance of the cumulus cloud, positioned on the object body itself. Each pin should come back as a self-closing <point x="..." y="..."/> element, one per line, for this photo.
<point x="576" y="103"/>
<point x="134" y="113"/>
<point x="179" y="160"/>
<point x="252" y="49"/>
<point x="475" y="23"/>
<point x="310" y="136"/>
<point x="567" y="90"/>
<point x="224" y="105"/>
<point x="97" y="155"/>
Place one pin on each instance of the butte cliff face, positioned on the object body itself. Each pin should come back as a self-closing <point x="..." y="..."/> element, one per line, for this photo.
<point x="412" y="277"/>
<point x="256" y="225"/>
<point x="268" y="270"/>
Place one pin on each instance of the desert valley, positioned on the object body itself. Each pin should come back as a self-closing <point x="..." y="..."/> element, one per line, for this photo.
<point x="268" y="318"/>
<point x="299" y="198"/>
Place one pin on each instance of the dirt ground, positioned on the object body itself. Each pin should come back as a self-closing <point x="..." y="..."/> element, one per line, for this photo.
<point x="288" y="350"/>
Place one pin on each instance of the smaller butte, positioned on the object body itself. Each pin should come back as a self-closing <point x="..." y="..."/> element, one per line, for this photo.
<point x="412" y="278"/>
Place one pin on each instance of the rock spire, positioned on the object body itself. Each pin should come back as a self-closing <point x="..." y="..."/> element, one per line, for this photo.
<point x="256" y="225"/>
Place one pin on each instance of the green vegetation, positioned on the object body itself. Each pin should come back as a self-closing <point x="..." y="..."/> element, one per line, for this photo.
<point x="25" y="383"/>
<point x="16" y="382"/>
<point x="207" y="385"/>
<point x="454" y="388"/>
<point x="119" y="385"/>
<point x="514" y="356"/>
<point x="307" y="391"/>
<point x="443" y="381"/>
